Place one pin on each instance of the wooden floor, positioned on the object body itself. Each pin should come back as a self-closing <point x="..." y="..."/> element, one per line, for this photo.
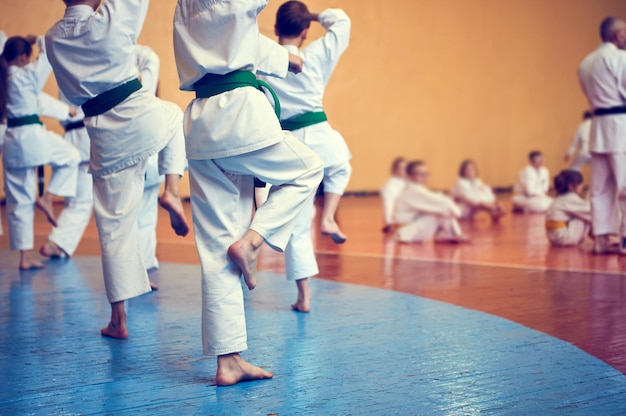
<point x="509" y="270"/>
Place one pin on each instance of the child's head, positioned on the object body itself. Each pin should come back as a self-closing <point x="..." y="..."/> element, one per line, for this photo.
<point x="568" y="181"/>
<point x="292" y="20"/>
<point x="17" y="51"/>
<point x="398" y="167"/>
<point x="536" y="158"/>
<point x="468" y="169"/>
<point x="417" y="172"/>
<point x="92" y="3"/>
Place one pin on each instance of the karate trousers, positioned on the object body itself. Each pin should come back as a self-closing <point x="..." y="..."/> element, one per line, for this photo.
<point x="532" y="204"/>
<point x="222" y="192"/>
<point x="426" y="226"/>
<point x="572" y="235"/>
<point x="608" y="193"/>
<point x="148" y="217"/>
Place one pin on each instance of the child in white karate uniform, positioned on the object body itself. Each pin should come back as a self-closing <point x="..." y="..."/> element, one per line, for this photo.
<point x="532" y="188"/>
<point x="391" y="190"/>
<point x="423" y="214"/>
<point x="28" y="145"/>
<point x="473" y="195"/>
<point x="568" y="220"/>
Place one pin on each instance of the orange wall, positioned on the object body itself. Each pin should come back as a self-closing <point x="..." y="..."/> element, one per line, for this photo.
<point x="437" y="80"/>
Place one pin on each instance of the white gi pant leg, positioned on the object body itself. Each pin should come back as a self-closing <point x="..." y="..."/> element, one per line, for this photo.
<point x="117" y="198"/>
<point x="20" y="186"/>
<point x="64" y="159"/>
<point x="300" y="261"/>
<point x="336" y="178"/>
<point x="575" y="233"/>
<point x="222" y="192"/>
<point x="147" y="223"/>
<point x="534" y="204"/>
<point x="604" y="194"/>
<point x="75" y="216"/>
<point x="420" y="229"/>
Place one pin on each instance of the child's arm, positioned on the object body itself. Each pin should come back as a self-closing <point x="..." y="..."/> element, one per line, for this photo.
<point x="580" y="208"/>
<point x="130" y="13"/>
<point x="40" y="67"/>
<point x="333" y="44"/>
<point x="51" y="107"/>
<point x="274" y="60"/>
<point x="148" y="64"/>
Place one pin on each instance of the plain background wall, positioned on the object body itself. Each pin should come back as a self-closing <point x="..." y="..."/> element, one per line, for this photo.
<point x="439" y="80"/>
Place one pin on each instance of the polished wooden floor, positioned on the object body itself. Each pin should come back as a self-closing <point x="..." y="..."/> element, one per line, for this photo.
<point x="509" y="270"/>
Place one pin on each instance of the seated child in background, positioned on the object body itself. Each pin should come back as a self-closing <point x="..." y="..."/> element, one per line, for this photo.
<point x="473" y="195"/>
<point x="425" y="214"/>
<point x="568" y="221"/>
<point x="392" y="189"/>
<point x="532" y="189"/>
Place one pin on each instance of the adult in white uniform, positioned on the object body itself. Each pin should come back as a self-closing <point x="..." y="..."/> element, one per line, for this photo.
<point x="92" y="50"/>
<point x="423" y="214"/>
<point x="532" y="188"/>
<point x="392" y="190"/>
<point x="568" y="220"/>
<point x="148" y="64"/>
<point x="65" y="237"/>
<point x="233" y="135"/>
<point x="579" y="149"/>
<point x="602" y="75"/>
<point x="28" y="145"/>
<point x="302" y="112"/>
<point x="473" y="195"/>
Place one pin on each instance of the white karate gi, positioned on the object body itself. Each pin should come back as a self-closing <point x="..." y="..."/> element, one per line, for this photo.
<point x="424" y="213"/>
<point x="303" y="93"/>
<point x="602" y="75"/>
<point x="148" y="65"/>
<point x="580" y="143"/>
<point x="389" y="194"/>
<point x="568" y="220"/>
<point x="532" y="190"/>
<point x="230" y="139"/>
<point x="469" y="193"/>
<point x="93" y="52"/>
<point x="75" y="217"/>
<point x="29" y="146"/>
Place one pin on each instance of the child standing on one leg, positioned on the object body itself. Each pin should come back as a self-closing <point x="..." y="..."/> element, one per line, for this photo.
<point x="568" y="220"/>
<point x="92" y="50"/>
<point x="302" y="113"/>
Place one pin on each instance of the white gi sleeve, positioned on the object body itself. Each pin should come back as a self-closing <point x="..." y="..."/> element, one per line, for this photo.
<point x="273" y="59"/>
<point x="49" y="106"/>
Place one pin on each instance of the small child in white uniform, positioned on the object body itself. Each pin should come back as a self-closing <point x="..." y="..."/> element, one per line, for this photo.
<point x="568" y="221"/>
<point x="425" y="214"/>
<point x="473" y="195"/>
<point x="580" y="143"/>
<point x="532" y="188"/>
<point x="392" y="189"/>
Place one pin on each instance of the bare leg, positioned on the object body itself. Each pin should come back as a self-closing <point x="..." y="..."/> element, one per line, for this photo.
<point x="245" y="253"/>
<point x="117" y="325"/>
<point x="232" y="369"/>
<point x="303" y="304"/>
<point x="50" y="249"/>
<point x="27" y="262"/>
<point x="153" y="285"/>
<point x="329" y="226"/>
<point x="170" y="201"/>
<point x="45" y="204"/>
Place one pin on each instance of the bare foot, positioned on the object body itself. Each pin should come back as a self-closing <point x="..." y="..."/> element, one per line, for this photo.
<point x="232" y="369"/>
<point x="245" y="256"/>
<point x="50" y="249"/>
<point x="153" y="285"/>
<point x="451" y="239"/>
<point x="46" y="207"/>
<point x="118" y="331"/>
<point x="173" y="205"/>
<point x="303" y="304"/>
<point x="31" y="265"/>
<point x="301" y="307"/>
<point x="330" y="228"/>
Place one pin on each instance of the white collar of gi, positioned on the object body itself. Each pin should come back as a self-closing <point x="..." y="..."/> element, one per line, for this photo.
<point x="79" y="10"/>
<point x="293" y="49"/>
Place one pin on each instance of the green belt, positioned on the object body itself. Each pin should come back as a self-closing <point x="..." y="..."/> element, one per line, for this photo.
<point x="109" y="99"/>
<point x="304" y="120"/>
<point x="23" y="121"/>
<point x="211" y="85"/>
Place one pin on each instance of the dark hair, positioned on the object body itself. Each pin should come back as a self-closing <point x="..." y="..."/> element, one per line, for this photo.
<point x="464" y="166"/>
<point x="413" y="165"/>
<point x="13" y="48"/>
<point x="532" y="155"/>
<point x="396" y="163"/>
<point x="292" y="18"/>
<point x="607" y="29"/>
<point x="563" y="180"/>
<point x="587" y="115"/>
